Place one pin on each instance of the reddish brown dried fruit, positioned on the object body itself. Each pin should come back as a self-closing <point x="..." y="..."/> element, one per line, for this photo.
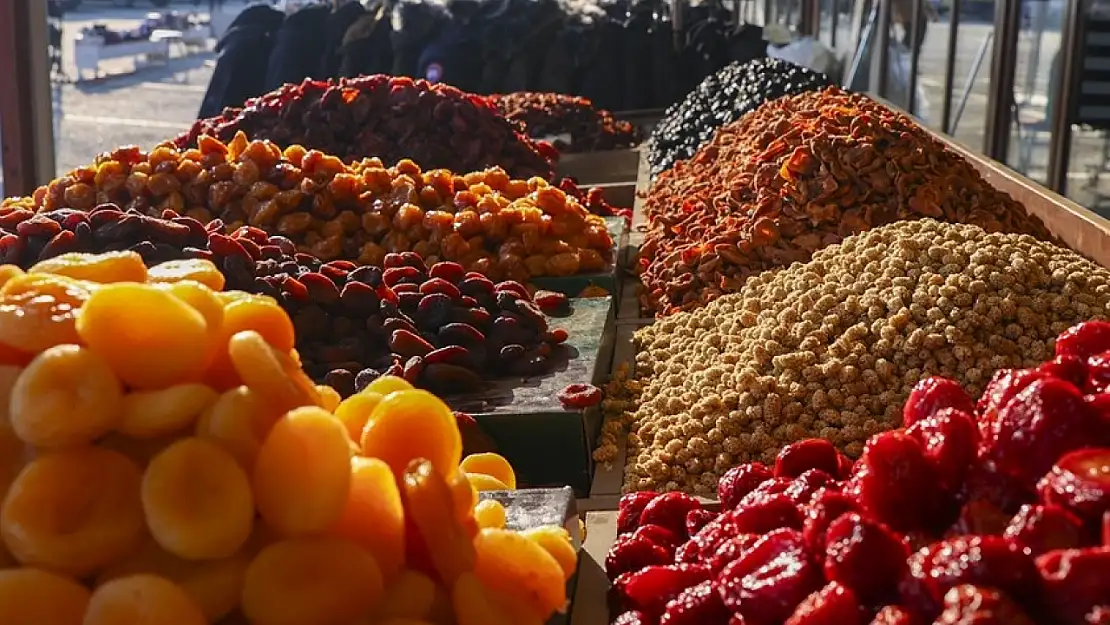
<point x="1067" y="368"/>
<point x="439" y="285"/>
<point x="1084" y="340"/>
<point x="972" y="605"/>
<point x="893" y="615"/>
<point x="895" y="482"/>
<point x="669" y="510"/>
<point x="1075" y="582"/>
<point x="632" y="553"/>
<point x="832" y="605"/>
<point x="866" y="556"/>
<point x="769" y="580"/>
<point x="739" y="481"/>
<point x="931" y="395"/>
<point x="697" y="605"/>
<point x="650" y="589"/>
<point x="824" y="508"/>
<point x="551" y="301"/>
<point x="811" y="453"/>
<point x="407" y="344"/>
<point x="660" y="536"/>
<point x="580" y="396"/>
<point x="803" y="487"/>
<point x="629" y="509"/>
<point x="1080" y="483"/>
<point x="1041" y="529"/>
<point x="697" y="519"/>
<point x="731" y="550"/>
<point x="979" y="516"/>
<point x="950" y="438"/>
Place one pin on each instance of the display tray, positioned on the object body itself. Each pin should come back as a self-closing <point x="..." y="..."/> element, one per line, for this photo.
<point x="592" y="168"/>
<point x="644" y="119"/>
<point x="545" y="442"/>
<point x="618" y="194"/>
<point x="573" y="285"/>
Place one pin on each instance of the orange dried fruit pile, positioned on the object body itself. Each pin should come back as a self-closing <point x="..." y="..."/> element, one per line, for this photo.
<point x="183" y="470"/>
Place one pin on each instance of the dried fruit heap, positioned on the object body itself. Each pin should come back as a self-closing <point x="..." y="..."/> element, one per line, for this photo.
<point x="195" y="475"/>
<point x="795" y="175"/>
<point x="832" y="347"/>
<point x="570" y="122"/>
<point x="990" y="513"/>
<point x="489" y="223"/>
<point x="437" y="126"/>
<point x="441" y="327"/>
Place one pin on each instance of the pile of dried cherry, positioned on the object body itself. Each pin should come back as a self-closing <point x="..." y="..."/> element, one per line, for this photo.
<point x="442" y="328"/>
<point x="392" y="118"/>
<point x="572" y="123"/>
<point x="991" y="512"/>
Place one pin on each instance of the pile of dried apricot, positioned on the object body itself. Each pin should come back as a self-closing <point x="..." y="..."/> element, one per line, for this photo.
<point x="164" y="459"/>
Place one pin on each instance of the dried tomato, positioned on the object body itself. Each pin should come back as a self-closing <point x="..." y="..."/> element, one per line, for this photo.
<point x="580" y="396"/>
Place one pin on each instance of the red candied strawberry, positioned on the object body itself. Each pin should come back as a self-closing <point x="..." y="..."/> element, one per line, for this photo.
<point x="633" y="617"/>
<point x="632" y="553"/>
<point x="979" y="516"/>
<point x="972" y="605"/>
<point x="649" y="589"/>
<point x="844" y="466"/>
<point x="1002" y="388"/>
<point x="737" y="620"/>
<point x="688" y="553"/>
<point x="1098" y="374"/>
<point x="895" y="483"/>
<point x="1084" y="340"/>
<point x="739" y="481"/>
<point x="1075" y="582"/>
<point x="832" y="605"/>
<point x="770" y="513"/>
<point x="1041" y="529"/>
<point x="985" y="482"/>
<point x="1067" y="368"/>
<point x="894" y="615"/>
<point x="1106" y="529"/>
<point x="951" y="439"/>
<point x="803" y="487"/>
<point x="732" y="549"/>
<point x="1043" y="422"/>
<point x="773" y="486"/>
<point x="915" y="541"/>
<point x="866" y="556"/>
<point x="706" y="541"/>
<point x="661" y="536"/>
<point x="1080" y="482"/>
<point x="932" y="394"/>
<point x="989" y="561"/>
<point x="669" y="510"/>
<point x="769" y="581"/>
<point x="1099" y="615"/>
<point x="629" y="509"/>
<point x="1100" y="404"/>
<point x="825" y="507"/>
<point x="697" y="519"/>
<point x="811" y="453"/>
<point x="697" y="605"/>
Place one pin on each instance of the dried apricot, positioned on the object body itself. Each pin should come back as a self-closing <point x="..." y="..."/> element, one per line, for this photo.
<point x="311" y="580"/>
<point x="149" y="414"/>
<point x="7" y="272"/>
<point x="355" y="411"/>
<point x="493" y="465"/>
<point x="411" y="595"/>
<point x="387" y="384"/>
<point x="508" y="563"/>
<point x="483" y="482"/>
<point x="238" y="421"/>
<point x="104" y="268"/>
<point x="142" y="599"/>
<point x="74" y="511"/>
<point x="195" y="269"/>
<point x="464" y="495"/>
<point x="518" y="609"/>
<point x="36" y="597"/>
<point x="428" y="500"/>
<point x="412" y="424"/>
<point x="39" y="311"/>
<point x="67" y="396"/>
<point x="140" y="450"/>
<point x="263" y="315"/>
<point x="205" y="301"/>
<point x="302" y="477"/>
<point x="556" y="541"/>
<point x="272" y="375"/>
<point x="374" y="516"/>
<point x="151" y="338"/>
<point x="490" y="513"/>
<point x="329" y="397"/>
<point x="198" y="500"/>
<point x="473" y="605"/>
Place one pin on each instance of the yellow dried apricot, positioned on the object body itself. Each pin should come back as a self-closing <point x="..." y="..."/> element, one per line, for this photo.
<point x="139" y="450"/>
<point x="491" y="464"/>
<point x="238" y="421"/>
<point x="464" y="495"/>
<point x="374" y="516"/>
<point x="150" y="414"/>
<point x="151" y="338"/>
<point x="355" y="411"/>
<point x="105" y="268"/>
<point x="519" y="610"/>
<point x="8" y="375"/>
<point x="428" y="501"/>
<point x="195" y="269"/>
<point x="7" y="272"/>
<point x="205" y="301"/>
<point x="387" y="384"/>
<point x="74" y="511"/>
<point x="508" y="562"/>
<point x="484" y="482"/>
<point x="411" y="595"/>
<point x="411" y="424"/>
<point x="270" y="373"/>
<point x="142" y="599"/>
<point x="473" y="605"/>
<point x="263" y="315"/>
<point x="490" y="513"/>
<point x="329" y="397"/>
<point x="302" y="476"/>
<point x="311" y="580"/>
<point x="67" y="396"/>
<point x="556" y="541"/>
<point x="39" y="311"/>
<point x="35" y="597"/>
<point x="198" y="500"/>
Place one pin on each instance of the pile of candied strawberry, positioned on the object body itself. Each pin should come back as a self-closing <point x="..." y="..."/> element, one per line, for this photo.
<point x="988" y="513"/>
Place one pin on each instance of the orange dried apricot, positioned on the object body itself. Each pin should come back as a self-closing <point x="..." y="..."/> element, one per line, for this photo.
<point x="411" y="424"/>
<point x="473" y="604"/>
<point x="556" y="541"/>
<point x="302" y="476"/>
<point x="238" y="421"/>
<point x="387" y="384"/>
<point x="411" y="596"/>
<point x="263" y="315"/>
<point x="490" y="513"/>
<point x="518" y="609"/>
<point x="483" y="482"/>
<point x="74" y="511"/>
<point x="464" y="496"/>
<point x="67" y="396"/>
<point x="39" y="311"/>
<point x="37" y="597"/>
<point x="198" y="500"/>
<point x="270" y="373"/>
<point x="125" y="266"/>
<point x="139" y="450"/>
<point x="150" y="414"/>
<point x="491" y="464"/>
<point x="7" y="272"/>
<point x="374" y="516"/>
<point x="329" y="397"/>
<point x="428" y="500"/>
<point x="151" y="338"/>
<point x="508" y="563"/>
<point x="142" y="599"/>
<point x="205" y="301"/>
<point x="355" y="411"/>
<point x="311" y="580"/>
<point x="194" y="269"/>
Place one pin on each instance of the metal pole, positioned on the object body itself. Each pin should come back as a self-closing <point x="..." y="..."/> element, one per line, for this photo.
<point x="677" y="25"/>
<point x="810" y="22"/>
<point x="834" y="24"/>
<point x="26" y="114"/>
<point x="950" y="65"/>
<point x="1000" y="99"/>
<point x="975" y="67"/>
<point x="1071" y="50"/>
<point x="916" y="15"/>
<point x="880" y="53"/>
<point x="767" y="12"/>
